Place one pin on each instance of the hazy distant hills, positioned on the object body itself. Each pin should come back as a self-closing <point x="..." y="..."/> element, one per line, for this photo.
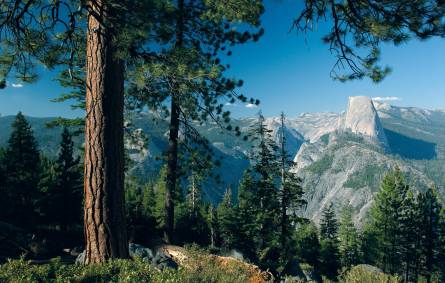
<point x="341" y="156"/>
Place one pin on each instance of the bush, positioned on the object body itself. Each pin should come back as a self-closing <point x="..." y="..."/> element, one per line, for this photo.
<point x="112" y="271"/>
<point x="366" y="274"/>
<point x="200" y="268"/>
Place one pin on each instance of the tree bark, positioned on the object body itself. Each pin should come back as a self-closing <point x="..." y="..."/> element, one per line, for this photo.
<point x="104" y="211"/>
<point x="172" y="164"/>
<point x="172" y="158"/>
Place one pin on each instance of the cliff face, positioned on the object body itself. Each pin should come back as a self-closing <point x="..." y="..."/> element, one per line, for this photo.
<point x="362" y="118"/>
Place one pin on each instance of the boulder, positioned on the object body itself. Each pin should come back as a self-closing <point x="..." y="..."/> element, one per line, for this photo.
<point x="80" y="259"/>
<point x="140" y="251"/>
<point x="160" y="260"/>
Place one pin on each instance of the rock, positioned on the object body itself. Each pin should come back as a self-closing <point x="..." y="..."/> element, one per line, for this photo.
<point x="80" y="259"/>
<point x="76" y="251"/>
<point x="140" y="251"/>
<point x="235" y="254"/>
<point x="160" y="260"/>
<point x="362" y="118"/>
<point x="311" y="274"/>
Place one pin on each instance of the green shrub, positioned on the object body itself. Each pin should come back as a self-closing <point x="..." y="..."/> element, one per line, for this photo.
<point x="201" y="268"/>
<point x="366" y="274"/>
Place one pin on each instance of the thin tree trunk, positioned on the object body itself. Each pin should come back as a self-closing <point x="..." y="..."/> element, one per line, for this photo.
<point x="104" y="217"/>
<point x="172" y="158"/>
<point x="172" y="164"/>
<point x="283" y="188"/>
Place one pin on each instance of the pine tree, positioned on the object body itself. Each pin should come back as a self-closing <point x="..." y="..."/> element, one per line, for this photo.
<point x="188" y="74"/>
<point x="148" y="199"/>
<point x="140" y="203"/>
<point x="386" y="220"/>
<point x="369" y="248"/>
<point x="193" y="197"/>
<point x="213" y="221"/>
<point x="308" y="244"/>
<point x="247" y="212"/>
<point x="66" y="195"/>
<point x="265" y="173"/>
<point x="22" y="168"/>
<point x="441" y="247"/>
<point x="227" y="220"/>
<point x="349" y="239"/>
<point x="430" y="222"/>
<point x="329" y="254"/>
<point x="97" y="45"/>
<point x="328" y="223"/>
<point x="290" y="196"/>
<point x="192" y="215"/>
<point x="410" y="240"/>
<point x="47" y="184"/>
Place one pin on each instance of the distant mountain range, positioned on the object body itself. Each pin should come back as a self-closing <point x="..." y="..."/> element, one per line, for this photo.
<point x="340" y="156"/>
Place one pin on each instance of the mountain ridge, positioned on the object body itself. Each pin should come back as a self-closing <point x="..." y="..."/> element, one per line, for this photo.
<point x="337" y="165"/>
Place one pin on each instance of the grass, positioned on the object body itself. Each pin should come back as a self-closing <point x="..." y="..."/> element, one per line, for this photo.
<point x="201" y="267"/>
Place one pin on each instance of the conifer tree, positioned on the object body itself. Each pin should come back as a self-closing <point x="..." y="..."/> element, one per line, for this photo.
<point x="66" y="195"/>
<point x="95" y="43"/>
<point x="140" y="203"/>
<point x="329" y="254"/>
<point x="227" y="220"/>
<point x="189" y="74"/>
<point x="369" y="244"/>
<point x="308" y="244"/>
<point x="214" y="226"/>
<point x="431" y="224"/>
<point x="193" y="197"/>
<point x="265" y="173"/>
<point x="349" y="239"/>
<point x="247" y="212"/>
<point x="441" y="248"/>
<point x="22" y="169"/>
<point x="410" y="241"/>
<point x="191" y="214"/>
<point x="328" y="223"/>
<point x="386" y="220"/>
<point x="290" y="197"/>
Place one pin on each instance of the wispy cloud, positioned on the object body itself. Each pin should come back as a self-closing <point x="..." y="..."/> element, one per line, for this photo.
<point x="251" y="105"/>
<point x="231" y="104"/>
<point x="18" y="85"/>
<point x="386" y="98"/>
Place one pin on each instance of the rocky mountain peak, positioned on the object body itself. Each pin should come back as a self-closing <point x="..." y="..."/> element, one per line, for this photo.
<point x="362" y="118"/>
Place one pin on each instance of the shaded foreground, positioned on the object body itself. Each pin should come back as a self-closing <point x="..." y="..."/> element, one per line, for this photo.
<point x="194" y="266"/>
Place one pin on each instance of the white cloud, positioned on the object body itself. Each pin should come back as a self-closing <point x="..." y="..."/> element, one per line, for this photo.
<point x="386" y="98"/>
<point x="231" y="104"/>
<point x="18" y="85"/>
<point x="251" y="105"/>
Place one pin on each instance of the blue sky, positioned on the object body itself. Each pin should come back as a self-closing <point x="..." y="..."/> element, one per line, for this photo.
<point x="288" y="72"/>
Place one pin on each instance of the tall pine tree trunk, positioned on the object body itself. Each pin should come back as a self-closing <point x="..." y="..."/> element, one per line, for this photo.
<point x="172" y="164"/>
<point x="104" y="217"/>
<point x="172" y="158"/>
